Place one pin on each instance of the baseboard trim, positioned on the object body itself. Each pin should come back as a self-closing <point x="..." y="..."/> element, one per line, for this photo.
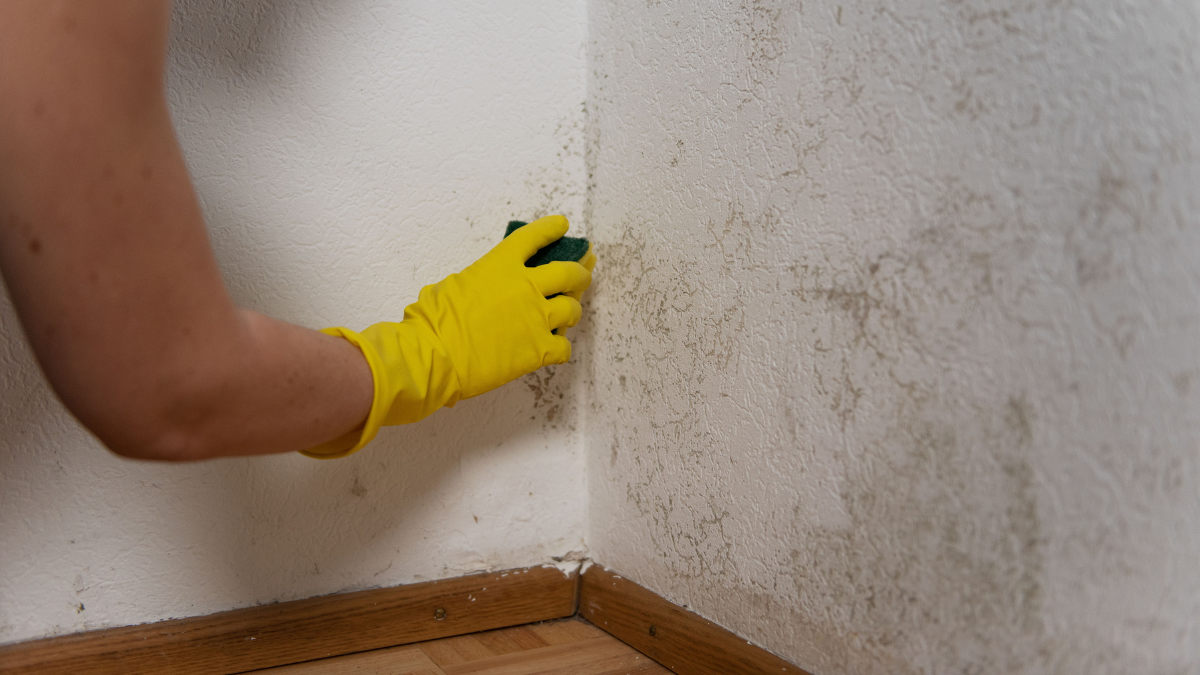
<point x="266" y="636"/>
<point x="682" y="641"/>
<point x="302" y="630"/>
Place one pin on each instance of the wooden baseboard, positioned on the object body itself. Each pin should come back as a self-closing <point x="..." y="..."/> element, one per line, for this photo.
<point x="303" y="630"/>
<point x="291" y="632"/>
<point x="682" y="641"/>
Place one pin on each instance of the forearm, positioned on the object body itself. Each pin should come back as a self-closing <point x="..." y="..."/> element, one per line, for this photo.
<point x="265" y="387"/>
<point x="322" y="388"/>
<point x="139" y="338"/>
<point x="113" y="276"/>
<point x="105" y="254"/>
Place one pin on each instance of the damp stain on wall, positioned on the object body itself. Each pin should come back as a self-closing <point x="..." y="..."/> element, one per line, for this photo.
<point x="879" y="285"/>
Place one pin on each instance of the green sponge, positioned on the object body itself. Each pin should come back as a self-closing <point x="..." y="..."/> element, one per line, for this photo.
<point x="570" y="249"/>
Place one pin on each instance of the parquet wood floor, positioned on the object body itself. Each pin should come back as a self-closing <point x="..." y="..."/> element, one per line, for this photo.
<point x="565" y="647"/>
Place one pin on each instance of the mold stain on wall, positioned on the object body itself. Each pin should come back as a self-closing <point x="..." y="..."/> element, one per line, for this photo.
<point x="874" y="279"/>
<point x="930" y="502"/>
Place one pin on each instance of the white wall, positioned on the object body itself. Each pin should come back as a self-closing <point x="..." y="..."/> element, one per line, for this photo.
<point x="893" y="343"/>
<point x="346" y="153"/>
<point x="895" y="363"/>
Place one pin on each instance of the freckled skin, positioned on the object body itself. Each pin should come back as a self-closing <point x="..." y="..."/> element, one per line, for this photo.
<point x="105" y="253"/>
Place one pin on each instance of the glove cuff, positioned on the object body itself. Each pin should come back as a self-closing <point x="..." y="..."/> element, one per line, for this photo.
<point x="354" y="441"/>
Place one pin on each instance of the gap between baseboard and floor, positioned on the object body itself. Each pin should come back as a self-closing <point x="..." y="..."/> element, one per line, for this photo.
<point x="283" y="633"/>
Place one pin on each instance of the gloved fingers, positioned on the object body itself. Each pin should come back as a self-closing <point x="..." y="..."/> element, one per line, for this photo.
<point x="589" y="263"/>
<point x="564" y="311"/>
<point x="560" y="276"/>
<point x="559" y="351"/>
<point x="589" y="259"/>
<point x="578" y="297"/>
<point x="529" y="239"/>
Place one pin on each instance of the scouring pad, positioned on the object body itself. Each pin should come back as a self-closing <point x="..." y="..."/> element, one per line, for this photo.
<point x="570" y="249"/>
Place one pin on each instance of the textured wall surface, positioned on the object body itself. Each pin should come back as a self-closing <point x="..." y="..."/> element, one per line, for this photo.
<point x="346" y="153"/>
<point x="895" y="361"/>
<point x="893" y="350"/>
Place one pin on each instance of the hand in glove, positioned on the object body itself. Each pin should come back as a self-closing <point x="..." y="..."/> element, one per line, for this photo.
<point x="470" y="333"/>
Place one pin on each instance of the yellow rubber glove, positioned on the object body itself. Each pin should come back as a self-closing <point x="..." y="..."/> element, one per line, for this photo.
<point x="589" y="262"/>
<point x="470" y="333"/>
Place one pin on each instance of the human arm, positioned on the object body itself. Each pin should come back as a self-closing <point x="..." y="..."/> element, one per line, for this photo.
<point x="105" y="254"/>
<point x="103" y="248"/>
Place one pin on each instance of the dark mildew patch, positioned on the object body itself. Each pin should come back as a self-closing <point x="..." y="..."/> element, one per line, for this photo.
<point x="894" y="358"/>
<point x="553" y="401"/>
<point x="944" y="547"/>
<point x="761" y="24"/>
<point x="935" y="520"/>
<point x="677" y="342"/>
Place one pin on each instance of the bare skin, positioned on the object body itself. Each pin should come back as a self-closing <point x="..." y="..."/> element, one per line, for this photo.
<point x="105" y="253"/>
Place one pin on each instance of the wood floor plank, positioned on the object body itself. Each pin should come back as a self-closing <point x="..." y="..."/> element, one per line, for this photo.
<point x="584" y="656"/>
<point x="564" y="647"/>
<point x="565" y="630"/>
<point x="466" y="648"/>
<point x="407" y="660"/>
<point x="643" y="666"/>
<point x="625" y="664"/>
<point x="638" y="664"/>
<point x="630" y="663"/>
<point x="456" y="650"/>
<point x="511" y="640"/>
